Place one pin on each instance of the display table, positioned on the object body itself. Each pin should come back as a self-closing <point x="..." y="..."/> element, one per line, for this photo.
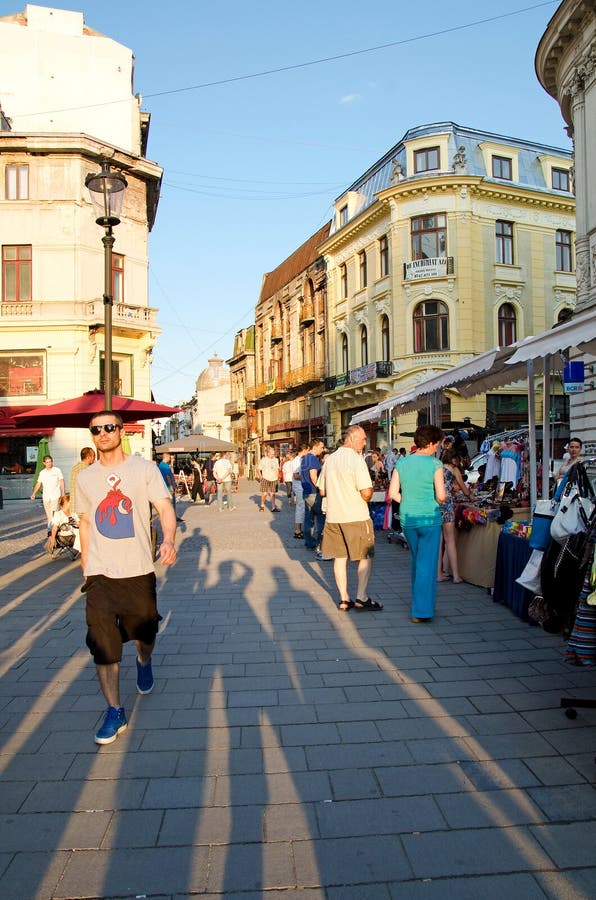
<point x="477" y="551"/>
<point x="512" y="555"/>
<point x="477" y="554"/>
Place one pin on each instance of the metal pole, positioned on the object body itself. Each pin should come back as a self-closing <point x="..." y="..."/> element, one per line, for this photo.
<point x="532" y="433"/>
<point x="545" y="426"/>
<point x="108" y="302"/>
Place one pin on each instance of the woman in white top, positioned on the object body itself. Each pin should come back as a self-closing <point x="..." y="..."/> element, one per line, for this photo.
<point x="575" y="451"/>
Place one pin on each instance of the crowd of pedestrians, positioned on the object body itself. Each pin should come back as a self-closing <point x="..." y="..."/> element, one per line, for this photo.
<point x="328" y="493"/>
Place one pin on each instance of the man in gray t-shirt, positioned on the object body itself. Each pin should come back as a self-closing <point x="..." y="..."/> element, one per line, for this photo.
<point x="115" y="495"/>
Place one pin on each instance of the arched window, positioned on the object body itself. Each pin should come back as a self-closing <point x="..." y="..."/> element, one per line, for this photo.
<point x="431" y="326"/>
<point x="344" y="353"/>
<point x="363" y="346"/>
<point x="507" y="325"/>
<point x="385" y="349"/>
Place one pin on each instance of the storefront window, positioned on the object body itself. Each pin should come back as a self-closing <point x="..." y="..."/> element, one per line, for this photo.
<point x="21" y="374"/>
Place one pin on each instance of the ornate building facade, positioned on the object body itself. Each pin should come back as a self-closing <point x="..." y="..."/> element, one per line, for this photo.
<point x="51" y="308"/>
<point x="456" y="241"/>
<point x="286" y="403"/>
<point x="566" y="68"/>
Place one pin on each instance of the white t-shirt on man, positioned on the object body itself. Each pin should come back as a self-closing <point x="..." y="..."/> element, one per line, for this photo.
<point x="342" y="477"/>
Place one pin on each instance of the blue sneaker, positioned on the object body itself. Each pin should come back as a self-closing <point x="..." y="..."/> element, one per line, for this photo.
<point x="113" y="723"/>
<point x="144" y="678"/>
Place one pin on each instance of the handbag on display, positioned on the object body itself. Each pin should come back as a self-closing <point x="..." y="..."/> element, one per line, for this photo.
<point x="542" y="518"/>
<point x="575" y="507"/>
<point x="530" y="577"/>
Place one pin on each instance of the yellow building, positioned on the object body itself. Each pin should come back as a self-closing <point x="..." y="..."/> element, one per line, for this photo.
<point x="51" y="309"/>
<point x="456" y="241"/>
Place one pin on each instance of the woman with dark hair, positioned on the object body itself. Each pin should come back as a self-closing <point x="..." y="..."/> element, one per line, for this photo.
<point x="454" y="483"/>
<point x="418" y="485"/>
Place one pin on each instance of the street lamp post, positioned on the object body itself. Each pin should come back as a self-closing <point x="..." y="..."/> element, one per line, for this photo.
<point x="106" y="190"/>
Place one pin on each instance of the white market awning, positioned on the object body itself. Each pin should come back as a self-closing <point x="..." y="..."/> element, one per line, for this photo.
<point x="580" y="332"/>
<point x="365" y="415"/>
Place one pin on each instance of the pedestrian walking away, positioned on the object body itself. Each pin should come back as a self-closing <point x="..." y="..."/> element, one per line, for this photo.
<point x="346" y="484"/>
<point x="314" y="519"/>
<point x="197" y="482"/>
<point x="115" y="495"/>
<point x="87" y="457"/>
<point x="165" y="467"/>
<point x="268" y="469"/>
<point x="51" y="482"/>
<point x="222" y="472"/>
<point x="298" y="493"/>
<point x="418" y="485"/>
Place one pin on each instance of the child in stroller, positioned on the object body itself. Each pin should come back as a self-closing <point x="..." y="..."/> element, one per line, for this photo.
<point x="64" y="536"/>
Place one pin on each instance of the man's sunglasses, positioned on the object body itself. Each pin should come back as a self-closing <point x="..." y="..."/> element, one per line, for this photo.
<point x="109" y="428"/>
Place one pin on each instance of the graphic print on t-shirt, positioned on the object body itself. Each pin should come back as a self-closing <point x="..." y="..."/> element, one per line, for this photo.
<point x="113" y="516"/>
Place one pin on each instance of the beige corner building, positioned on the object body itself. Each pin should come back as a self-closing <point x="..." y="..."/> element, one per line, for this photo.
<point x="68" y="104"/>
<point x="566" y="68"/>
<point x="455" y="242"/>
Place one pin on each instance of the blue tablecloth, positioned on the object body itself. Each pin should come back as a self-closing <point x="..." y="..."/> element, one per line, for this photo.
<point x="512" y="555"/>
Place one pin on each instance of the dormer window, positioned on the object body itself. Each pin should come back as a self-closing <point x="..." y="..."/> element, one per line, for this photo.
<point x="502" y="168"/>
<point x="561" y="180"/>
<point x="427" y="160"/>
<point x="343" y="216"/>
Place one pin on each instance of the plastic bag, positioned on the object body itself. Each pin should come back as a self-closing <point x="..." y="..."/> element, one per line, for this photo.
<point x="530" y="577"/>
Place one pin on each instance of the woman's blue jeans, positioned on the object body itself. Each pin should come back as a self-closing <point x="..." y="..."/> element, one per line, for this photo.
<point x="424" y="542"/>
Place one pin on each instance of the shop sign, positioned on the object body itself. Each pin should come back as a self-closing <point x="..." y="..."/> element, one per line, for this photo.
<point x="426" y="268"/>
<point x="573" y="378"/>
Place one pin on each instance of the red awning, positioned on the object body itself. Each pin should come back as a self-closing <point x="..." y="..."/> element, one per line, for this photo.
<point x="8" y="426"/>
<point x="25" y="432"/>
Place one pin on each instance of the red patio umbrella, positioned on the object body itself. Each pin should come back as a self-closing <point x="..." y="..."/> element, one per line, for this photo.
<point x="76" y="413"/>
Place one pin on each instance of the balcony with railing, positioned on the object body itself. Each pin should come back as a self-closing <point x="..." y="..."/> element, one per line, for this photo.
<point x="361" y="375"/>
<point x="67" y="312"/>
<point x="235" y="407"/>
<point x="307" y="314"/>
<point x="304" y="375"/>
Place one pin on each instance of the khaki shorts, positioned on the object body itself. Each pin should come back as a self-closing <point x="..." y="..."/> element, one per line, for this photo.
<point x="349" y="540"/>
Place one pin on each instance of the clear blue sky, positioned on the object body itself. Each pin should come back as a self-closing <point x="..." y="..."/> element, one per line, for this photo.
<point x="252" y="166"/>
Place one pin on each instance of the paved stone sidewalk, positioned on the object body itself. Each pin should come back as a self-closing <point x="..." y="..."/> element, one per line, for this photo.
<point x="288" y="750"/>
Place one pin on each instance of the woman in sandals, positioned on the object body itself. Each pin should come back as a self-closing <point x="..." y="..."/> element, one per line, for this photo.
<point x="454" y="483"/>
<point x="418" y="485"/>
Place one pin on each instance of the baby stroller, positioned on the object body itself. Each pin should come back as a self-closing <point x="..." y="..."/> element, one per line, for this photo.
<point x="65" y="541"/>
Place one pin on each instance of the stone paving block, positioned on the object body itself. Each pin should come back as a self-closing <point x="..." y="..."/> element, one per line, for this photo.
<point x="570" y="802"/>
<point x="441" y="778"/>
<point x="498" y="723"/>
<point x="410" y="691"/>
<point x="423" y="728"/>
<point x="133" y="828"/>
<point x="435" y="750"/>
<point x="489" y="775"/>
<point x="119" y="873"/>
<point x="499" y="746"/>
<point x="360" y="892"/>
<point x="489" y="808"/>
<point x="470" y="852"/>
<point x="14" y="794"/>
<point x="315" y="695"/>
<point x="580" y="739"/>
<point x="251" y="867"/>
<point x="458" y="689"/>
<point x="554" y="771"/>
<point x="308" y="735"/>
<point x="283" y="787"/>
<point x="84" y="795"/>
<point x="358" y="732"/>
<point x="354" y="755"/>
<point x="576" y="884"/>
<point x="291" y="822"/>
<point x="33" y="876"/>
<point x="356" y="711"/>
<point x="493" y="704"/>
<point x="190" y="738"/>
<point x="211" y="825"/>
<point x="570" y="845"/>
<point x="393" y="815"/>
<point x="52" y="831"/>
<point x="253" y="698"/>
<point x="172" y="793"/>
<point x="354" y="784"/>
<point x="40" y="766"/>
<point x="350" y="861"/>
<point x="493" y="887"/>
